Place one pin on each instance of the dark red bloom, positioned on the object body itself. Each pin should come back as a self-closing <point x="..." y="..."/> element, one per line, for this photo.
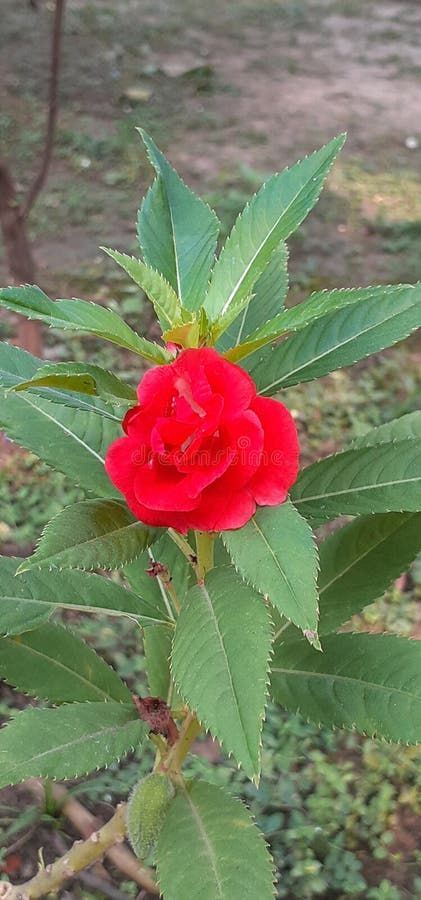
<point x="202" y="449"/>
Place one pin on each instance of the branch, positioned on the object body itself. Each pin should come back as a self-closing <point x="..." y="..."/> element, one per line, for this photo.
<point x="55" y="61"/>
<point x="80" y="856"/>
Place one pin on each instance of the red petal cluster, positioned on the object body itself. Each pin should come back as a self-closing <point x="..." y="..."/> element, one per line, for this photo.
<point x="202" y="449"/>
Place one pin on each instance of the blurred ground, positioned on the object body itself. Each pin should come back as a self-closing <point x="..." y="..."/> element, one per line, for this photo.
<point x="233" y="91"/>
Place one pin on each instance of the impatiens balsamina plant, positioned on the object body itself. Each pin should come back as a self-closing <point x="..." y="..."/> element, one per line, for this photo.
<point x="194" y="496"/>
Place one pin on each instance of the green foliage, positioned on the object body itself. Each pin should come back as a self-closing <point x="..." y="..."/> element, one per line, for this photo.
<point x="82" y="378"/>
<point x="53" y="664"/>
<point x="92" y="534"/>
<point x="157" y="646"/>
<point x="30" y="599"/>
<point x="67" y="742"/>
<point x="319" y="304"/>
<point x="162" y="295"/>
<point x="18" y="610"/>
<point x="276" y="552"/>
<point x="79" y="315"/>
<point x="172" y="215"/>
<point x="363" y="681"/>
<point x="358" y="562"/>
<point x="207" y="647"/>
<point x="268" y="298"/>
<point x="272" y="215"/>
<point x="338" y="339"/>
<point x="408" y="426"/>
<point x="147" y="810"/>
<point x="384" y="478"/>
<point x="71" y="440"/>
<point x="221" y="667"/>
<point x="211" y="833"/>
<point x="165" y="551"/>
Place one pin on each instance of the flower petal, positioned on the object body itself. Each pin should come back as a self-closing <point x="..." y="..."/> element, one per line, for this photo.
<point x="281" y="450"/>
<point x="220" y="510"/>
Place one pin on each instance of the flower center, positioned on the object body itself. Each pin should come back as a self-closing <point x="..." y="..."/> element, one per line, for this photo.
<point x="185" y="391"/>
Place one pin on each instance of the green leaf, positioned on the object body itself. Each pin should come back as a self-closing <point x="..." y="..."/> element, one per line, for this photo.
<point x="368" y="682"/>
<point x="359" y="561"/>
<point x="83" y="378"/>
<point x="271" y="216"/>
<point x="269" y="294"/>
<point x="18" y="611"/>
<point x="188" y="229"/>
<point x="27" y="601"/>
<point x="67" y="742"/>
<point x="91" y="534"/>
<point x="337" y="340"/>
<point x="54" y="664"/>
<point x="220" y="661"/>
<point x="164" y="551"/>
<point x="12" y="360"/>
<point x="319" y="304"/>
<point x="227" y="857"/>
<point x="408" y="426"/>
<point x="276" y="552"/>
<point x="157" y="643"/>
<point x="80" y="315"/>
<point x="383" y="478"/>
<point x="71" y="440"/>
<point x="154" y="232"/>
<point x="163" y="297"/>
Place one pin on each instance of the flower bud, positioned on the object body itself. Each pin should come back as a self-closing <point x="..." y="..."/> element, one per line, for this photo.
<point x="146" y="812"/>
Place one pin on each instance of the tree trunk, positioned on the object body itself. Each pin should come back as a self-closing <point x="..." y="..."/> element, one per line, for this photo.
<point x="19" y="255"/>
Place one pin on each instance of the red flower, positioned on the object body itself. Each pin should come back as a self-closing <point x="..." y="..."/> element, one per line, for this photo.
<point x="201" y="449"/>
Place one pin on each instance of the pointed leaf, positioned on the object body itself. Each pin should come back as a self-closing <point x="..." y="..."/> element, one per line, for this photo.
<point x="53" y="664"/>
<point x="359" y="561"/>
<point x="92" y="534"/>
<point x="83" y="378"/>
<point x="27" y="601"/>
<point x="227" y="857"/>
<point x="220" y="661"/>
<point x="319" y="304"/>
<point x="71" y="440"/>
<point x="18" y="611"/>
<point x="67" y="742"/>
<point x="163" y="297"/>
<point x="267" y="301"/>
<point x="337" y="340"/>
<point x="272" y="215"/>
<point x="190" y="228"/>
<point x="80" y="315"/>
<point x="383" y="478"/>
<point x="368" y="682"/>
<point x="277" y="553"/>
<point x="13" y="359"/>
<point x="155" y="235"/>
<point x="408" y="426"/>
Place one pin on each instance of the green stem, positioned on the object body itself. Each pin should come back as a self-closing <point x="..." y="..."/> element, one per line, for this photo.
<point x="204" y="547"/>
<point x="190" y="729"/>
<point x="182" y="543"/>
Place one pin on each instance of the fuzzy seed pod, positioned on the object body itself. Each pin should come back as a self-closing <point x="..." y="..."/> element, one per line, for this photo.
<point x="146" y="812"/>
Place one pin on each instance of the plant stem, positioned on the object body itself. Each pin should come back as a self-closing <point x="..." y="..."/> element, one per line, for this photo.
<point x="80" y="856"/>
<point x="204" y="546"/>
<point x="184" y="546"/>
<point x="188" y="733"/>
